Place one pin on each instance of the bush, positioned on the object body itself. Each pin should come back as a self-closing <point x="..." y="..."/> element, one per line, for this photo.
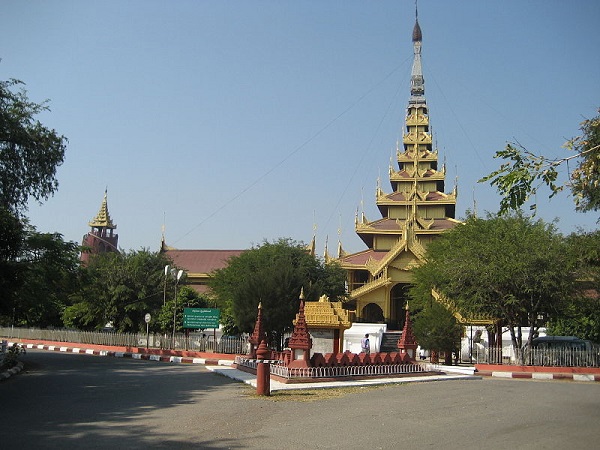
<point x="11" y="357"/>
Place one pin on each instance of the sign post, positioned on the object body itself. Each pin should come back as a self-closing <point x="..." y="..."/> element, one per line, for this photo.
<point x="147" y="318"/>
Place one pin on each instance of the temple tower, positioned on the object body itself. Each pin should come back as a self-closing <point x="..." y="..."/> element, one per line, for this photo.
<point x="415" y="211"/>
<point x="101" y="238"/>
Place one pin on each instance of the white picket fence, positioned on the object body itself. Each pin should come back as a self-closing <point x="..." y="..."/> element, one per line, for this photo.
<point x="193" y="342"/>
<point x="370" y="370"/>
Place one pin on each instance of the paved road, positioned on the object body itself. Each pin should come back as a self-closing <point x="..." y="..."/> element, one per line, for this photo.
<point x="71" y="401"/>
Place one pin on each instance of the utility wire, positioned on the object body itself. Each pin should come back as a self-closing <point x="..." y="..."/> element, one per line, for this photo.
<point x="289" y="155"/>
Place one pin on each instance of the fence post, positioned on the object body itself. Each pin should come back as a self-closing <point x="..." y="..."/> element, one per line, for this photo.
<point x="263" y="370"/>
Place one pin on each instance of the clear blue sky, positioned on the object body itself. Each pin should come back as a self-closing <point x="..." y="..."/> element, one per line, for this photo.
<point x="238" y="121"/>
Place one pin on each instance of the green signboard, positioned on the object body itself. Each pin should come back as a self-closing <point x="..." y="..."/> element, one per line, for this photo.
<point x="201" y="317"/>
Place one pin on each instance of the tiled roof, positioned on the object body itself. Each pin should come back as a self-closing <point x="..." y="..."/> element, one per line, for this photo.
<point x="392" y="225"/>
<point x="201" y="261"/>
<point x="435" y="196"/>
<point x="361" y="258"/>
<point x="397" y="196"/>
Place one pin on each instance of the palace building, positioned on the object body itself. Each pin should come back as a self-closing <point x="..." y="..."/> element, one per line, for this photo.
<point x="415" y="212"/>
<point x="198" y="264"/>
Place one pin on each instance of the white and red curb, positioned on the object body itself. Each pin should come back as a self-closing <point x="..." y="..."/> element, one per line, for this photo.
<point x="115" y="354"/>
<point x="542" y="375"/>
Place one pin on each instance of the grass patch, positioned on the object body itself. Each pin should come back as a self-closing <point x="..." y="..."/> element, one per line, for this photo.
<point x="311" y="395"/>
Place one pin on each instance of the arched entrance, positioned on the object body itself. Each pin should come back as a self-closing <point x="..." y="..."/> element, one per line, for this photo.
<point x="372" y="313"/>
<point x="398" y="299"/>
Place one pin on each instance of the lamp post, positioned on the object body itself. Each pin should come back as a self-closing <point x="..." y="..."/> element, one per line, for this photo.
<point x="165" y="287"/>
<point x="177" y="276"/>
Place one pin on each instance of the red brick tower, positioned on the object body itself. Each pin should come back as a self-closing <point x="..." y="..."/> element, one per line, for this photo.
<point x="101" y="238"/>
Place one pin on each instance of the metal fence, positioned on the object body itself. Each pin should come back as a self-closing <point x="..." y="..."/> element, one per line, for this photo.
<point x="193" y="341"/>
<point x="556" y="357"/>
<point x="340" y="371"/>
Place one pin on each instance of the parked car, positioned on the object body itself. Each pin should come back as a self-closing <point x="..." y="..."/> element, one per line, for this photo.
<point x="561" y="351"/>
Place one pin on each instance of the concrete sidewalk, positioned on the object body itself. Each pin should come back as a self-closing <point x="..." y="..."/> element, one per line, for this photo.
<point x="217" y="364"/>
<point x="250" y="379"/>
<point x="221" y="363"/>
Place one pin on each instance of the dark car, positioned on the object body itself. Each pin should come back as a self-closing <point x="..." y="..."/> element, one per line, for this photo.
<point x="561" y="351"/>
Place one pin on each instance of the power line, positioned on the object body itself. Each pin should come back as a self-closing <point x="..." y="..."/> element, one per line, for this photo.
<point x="290" y="154"/>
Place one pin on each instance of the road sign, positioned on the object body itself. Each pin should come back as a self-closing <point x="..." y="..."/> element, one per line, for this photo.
<point x="147" y="317"/>
<point x="201" y="317"/>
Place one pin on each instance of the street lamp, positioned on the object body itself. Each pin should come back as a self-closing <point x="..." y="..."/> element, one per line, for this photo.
<point x="165" y="288"/>
<point x="177" y="278"/>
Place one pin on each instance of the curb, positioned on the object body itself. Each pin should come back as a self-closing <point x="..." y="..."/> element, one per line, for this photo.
<point x="12" y="371"/>
<point x="115" y="354"/>
<point x="542" y="375"/>
<point x="250" y="379"/>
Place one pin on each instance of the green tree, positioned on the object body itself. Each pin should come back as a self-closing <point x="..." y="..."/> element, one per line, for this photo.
<point x="29" y="152"/>
<point x="12" y="236"/>
<point x="120" y="289"/>
<point x="49" y="272"/>
<point x="29" y="156"/>
<point x="186" y="298"/>
<point x="581" y="318"/>
<point x="524" y="172"/>
<point x="436" y="329"/>
<point x="508" y="267"/>
<point x="273" y="274"/>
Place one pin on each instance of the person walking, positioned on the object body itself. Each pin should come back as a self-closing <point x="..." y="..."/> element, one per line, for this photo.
<point x="365" y="345"/>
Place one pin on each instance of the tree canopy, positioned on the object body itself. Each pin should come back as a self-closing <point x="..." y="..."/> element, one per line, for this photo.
<point x="29" y="152"/>
<point x="507" y="267"/>
<point x="51" y="275"/>
<point x="186" y="298"/>
<point x="524" y="172"/>
<point x="12" y="235"/>
<point x="273" y="274"/>
<point x="120" y="288"/>
<point x="436" y="329"/>
<point x="38" y="278"/>
<point x="581" y="318"/>
<point x="29" y="156"/>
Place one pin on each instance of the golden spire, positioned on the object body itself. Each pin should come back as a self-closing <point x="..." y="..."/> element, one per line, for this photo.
<point x="326" y="251"/>
<point x="103" y="219"/>
<point x="311" y="247"/>
<point x="340" y="251"/>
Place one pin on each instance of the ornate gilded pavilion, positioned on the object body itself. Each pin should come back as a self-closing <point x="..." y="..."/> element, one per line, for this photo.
<point x="415" y="212"/>
<point x="101" y="238"/>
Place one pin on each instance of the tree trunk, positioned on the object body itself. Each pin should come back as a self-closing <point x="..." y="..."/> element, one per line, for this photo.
<point x="448" y="358"/>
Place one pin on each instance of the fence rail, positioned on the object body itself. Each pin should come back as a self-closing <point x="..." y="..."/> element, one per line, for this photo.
<point x="340" y="371"/>
<point x="193" y="342"/>
<point x="555" y="357"/>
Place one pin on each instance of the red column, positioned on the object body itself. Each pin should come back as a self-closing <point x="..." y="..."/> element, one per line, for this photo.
<point x="263" y="370"/>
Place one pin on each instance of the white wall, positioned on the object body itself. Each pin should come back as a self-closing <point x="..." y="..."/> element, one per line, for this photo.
<point x="354" y="334"/>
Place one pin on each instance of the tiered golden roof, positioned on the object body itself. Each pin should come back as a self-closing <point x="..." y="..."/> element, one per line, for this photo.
<point x="103" y="219"/>
<point x="326" y="314"/>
